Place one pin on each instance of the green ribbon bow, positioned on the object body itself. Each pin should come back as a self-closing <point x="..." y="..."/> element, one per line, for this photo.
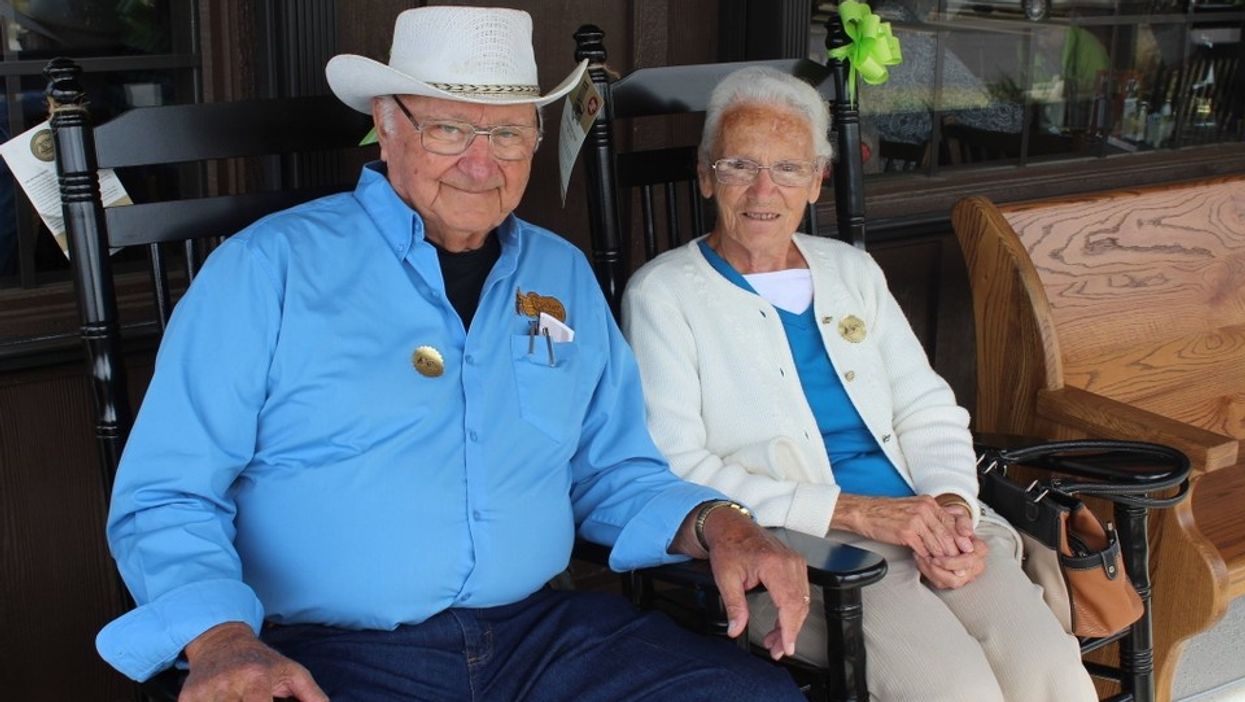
<point x="872" y="47"/>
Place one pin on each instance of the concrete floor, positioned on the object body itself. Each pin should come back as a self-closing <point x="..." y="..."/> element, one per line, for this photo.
<point x="1212" y="668"/>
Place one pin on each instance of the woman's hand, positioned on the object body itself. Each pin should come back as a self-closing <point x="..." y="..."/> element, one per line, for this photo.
<point x="953" y="572"/>
<point x="916" y="522"/>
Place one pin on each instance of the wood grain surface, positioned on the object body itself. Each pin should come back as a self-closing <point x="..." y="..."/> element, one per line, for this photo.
<point x="1122" y="315"/>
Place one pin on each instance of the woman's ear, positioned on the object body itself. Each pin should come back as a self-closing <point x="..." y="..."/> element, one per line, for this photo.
<point x="814" y="188"/>
<point x="704" y="176"/>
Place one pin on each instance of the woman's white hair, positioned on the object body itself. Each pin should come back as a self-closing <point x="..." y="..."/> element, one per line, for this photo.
<point x="766" y="87"/>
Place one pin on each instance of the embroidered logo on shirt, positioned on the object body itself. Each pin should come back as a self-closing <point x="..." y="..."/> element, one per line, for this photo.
<point x="852" y="329"/>
<point x="532" y="304"/>
<point x="428" y="361"/>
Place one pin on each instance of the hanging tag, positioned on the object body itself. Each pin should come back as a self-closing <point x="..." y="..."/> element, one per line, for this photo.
<point x="578" y="113"/>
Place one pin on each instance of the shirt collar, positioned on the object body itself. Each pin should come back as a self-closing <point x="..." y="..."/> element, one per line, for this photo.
<point x="399" y="223"/>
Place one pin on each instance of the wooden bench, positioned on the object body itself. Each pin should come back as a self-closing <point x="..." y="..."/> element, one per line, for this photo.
<point x="1122" y="315"/>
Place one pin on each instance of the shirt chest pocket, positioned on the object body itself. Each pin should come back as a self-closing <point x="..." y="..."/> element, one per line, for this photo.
<point x="547" y="378"/>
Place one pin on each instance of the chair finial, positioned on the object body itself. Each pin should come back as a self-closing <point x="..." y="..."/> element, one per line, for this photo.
<point x="589" y="44"/>
<point x="64" y="88"/>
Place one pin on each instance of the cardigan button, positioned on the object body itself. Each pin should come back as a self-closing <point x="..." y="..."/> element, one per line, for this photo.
<point x="850" y="376"/>
<point x="827" y="319"/>
<point x="886" y="438"/>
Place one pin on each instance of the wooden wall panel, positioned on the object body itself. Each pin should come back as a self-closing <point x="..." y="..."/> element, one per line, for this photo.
<point x="928" y="279"/>
<point x="57" y="582"/>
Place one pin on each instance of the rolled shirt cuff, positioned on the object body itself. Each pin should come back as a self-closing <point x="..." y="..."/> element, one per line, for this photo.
<point x="149" y="638"/>
<point x="645" y="540"/>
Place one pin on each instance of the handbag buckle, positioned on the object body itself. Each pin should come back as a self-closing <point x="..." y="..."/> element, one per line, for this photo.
<point x="1042" y="494"/>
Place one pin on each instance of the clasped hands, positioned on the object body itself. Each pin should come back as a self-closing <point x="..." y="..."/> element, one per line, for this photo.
<point x="948" y="552"/>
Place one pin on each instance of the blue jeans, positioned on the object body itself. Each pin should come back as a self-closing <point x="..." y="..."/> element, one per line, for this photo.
<point x="551" y="646"/>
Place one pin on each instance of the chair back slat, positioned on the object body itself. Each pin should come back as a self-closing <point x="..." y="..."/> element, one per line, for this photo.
<point x="672" y="215"/>
<point x="196" y="218"/>
<point x="677" y="89"/>
<point x="181" y="133"/>
<point x="161" y="291"/>
<point x="697" y="207"/>
<point x="649" y="222"/>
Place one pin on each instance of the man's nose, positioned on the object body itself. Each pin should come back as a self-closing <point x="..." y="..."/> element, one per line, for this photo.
<point x="478" y="161"/>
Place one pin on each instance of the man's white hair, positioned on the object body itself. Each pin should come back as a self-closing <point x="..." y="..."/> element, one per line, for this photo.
<point x="766" y="87"/>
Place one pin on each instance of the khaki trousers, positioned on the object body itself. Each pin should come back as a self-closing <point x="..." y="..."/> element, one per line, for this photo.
<point x="993" y="639"/>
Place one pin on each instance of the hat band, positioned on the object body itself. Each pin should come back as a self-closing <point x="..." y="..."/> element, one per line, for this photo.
<point x="476" y="89"/>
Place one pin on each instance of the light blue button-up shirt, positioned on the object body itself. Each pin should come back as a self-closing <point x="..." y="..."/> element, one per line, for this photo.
<point x="289" y="463"/>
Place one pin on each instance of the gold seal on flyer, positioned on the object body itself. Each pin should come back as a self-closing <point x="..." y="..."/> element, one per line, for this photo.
<point x="852" y="329"/>
<point x="532" y="304"/>
<point x="42" y="146"/>
<point x="428" y="361"/>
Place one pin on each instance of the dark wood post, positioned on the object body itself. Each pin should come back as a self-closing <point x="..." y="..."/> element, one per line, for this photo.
<point x="87" y="233"/>
<point x="848" y="169"/>
<point x="609" y="259"/>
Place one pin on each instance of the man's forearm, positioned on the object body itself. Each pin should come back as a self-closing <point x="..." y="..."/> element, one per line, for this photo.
<point x="722" y="523"/>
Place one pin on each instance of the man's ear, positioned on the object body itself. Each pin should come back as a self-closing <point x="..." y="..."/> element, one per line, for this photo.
<point x="378" y="120"/>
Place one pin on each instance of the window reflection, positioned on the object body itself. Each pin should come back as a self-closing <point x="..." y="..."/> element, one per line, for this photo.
<point x="1014" y="81"/>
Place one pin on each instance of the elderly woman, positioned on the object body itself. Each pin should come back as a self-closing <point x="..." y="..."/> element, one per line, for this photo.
<point x="779" y="369"/>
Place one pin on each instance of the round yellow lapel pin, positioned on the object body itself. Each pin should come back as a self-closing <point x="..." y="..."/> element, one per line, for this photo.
<point x="852" y="328"/>
<point x="428" y="361"/>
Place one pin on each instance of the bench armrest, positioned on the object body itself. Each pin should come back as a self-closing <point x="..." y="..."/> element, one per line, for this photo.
<point x="1102" y="416"/>
<point x="830" y="565"/>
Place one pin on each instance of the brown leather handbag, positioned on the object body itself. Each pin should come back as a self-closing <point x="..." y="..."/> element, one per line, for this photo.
<point x="1068" y="550"/>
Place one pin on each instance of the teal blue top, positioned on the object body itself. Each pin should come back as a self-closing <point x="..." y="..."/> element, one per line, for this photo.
<point x="858" y="463"/>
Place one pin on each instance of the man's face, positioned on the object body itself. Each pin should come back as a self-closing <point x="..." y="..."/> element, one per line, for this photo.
<point x="460" y="197"/>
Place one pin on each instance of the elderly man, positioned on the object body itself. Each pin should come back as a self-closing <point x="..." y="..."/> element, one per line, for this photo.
<point x="378" y="419"/>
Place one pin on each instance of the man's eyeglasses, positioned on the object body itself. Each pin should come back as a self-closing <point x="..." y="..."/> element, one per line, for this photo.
<point x="742" y="171"/>
<point x="509" y="142"/>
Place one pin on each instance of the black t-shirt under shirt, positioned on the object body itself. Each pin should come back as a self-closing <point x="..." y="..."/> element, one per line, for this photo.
<point x="464" y="273"/>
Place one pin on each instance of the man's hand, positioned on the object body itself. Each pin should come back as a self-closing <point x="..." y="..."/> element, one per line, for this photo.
<point x="742" y="556"/>
<point x="954" y="572"/>
<point x="228" y="663"/>
<point x="919" y="523"/>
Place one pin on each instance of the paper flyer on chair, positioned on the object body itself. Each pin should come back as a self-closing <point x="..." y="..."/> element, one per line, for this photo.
<point x="30" y="156"/>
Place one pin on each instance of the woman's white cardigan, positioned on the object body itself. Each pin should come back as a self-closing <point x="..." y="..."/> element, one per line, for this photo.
<point x="726" y="406"/>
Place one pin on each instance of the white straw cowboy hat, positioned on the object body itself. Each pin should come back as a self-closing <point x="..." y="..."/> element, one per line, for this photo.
<point x="468" y="54"/>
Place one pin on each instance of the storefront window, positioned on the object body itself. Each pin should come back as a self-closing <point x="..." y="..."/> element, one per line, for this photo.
<point x="1020" y="81"/>
<point x="134" y="53"/>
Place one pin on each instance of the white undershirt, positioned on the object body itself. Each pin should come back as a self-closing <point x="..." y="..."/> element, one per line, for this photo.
<point x="790" y="290"/>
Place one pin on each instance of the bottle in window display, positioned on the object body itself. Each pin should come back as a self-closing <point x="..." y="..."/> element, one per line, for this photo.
<point x="1128" y="114"/>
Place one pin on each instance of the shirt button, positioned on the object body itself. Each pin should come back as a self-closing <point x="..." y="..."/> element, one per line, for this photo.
<point x="476" y="515"/>
<point x="850" y="376"/>
<point x="469" y="359"/>
<point x="472" y="435"/>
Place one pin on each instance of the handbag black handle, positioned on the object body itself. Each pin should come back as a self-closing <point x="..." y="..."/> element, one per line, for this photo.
<point x="1096" y="459"/>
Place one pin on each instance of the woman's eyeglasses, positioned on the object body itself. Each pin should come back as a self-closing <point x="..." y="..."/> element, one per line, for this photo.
<point x="742" y="171"/>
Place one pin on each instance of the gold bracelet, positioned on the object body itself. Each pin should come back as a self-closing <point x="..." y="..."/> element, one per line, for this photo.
<point x="703" y="514"/>
<point x="947" y="499"/>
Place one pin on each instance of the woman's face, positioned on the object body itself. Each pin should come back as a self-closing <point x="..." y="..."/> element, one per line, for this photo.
<point x="757" y="215"/>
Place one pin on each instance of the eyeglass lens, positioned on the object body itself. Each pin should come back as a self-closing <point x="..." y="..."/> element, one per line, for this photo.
<point x="742" y="171"/>
<point x="509" y="142"/>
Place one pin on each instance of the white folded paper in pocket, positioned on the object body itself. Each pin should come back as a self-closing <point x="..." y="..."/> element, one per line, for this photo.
<point x="556" y="329"/>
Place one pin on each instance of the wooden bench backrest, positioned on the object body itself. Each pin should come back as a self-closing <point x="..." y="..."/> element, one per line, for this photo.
<point x="1145" y="295"/>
